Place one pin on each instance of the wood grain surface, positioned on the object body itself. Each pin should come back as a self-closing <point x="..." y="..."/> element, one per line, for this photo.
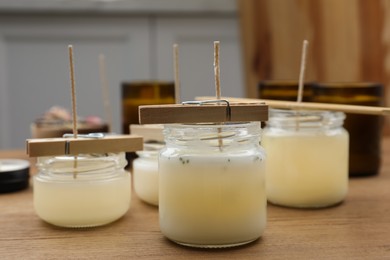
<point x="359" y="228"/>
<point x="348" y="40"/>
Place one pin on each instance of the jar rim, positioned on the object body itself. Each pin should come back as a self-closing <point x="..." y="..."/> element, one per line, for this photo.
<point x="62" y="168"/>
<point x="306" y="118"/>
<point x="212" y="125"/>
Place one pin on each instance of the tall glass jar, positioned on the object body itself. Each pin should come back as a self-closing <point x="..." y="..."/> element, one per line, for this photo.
<point x="145" y="173"/>
<point x="307" y="158"/>
<point x="91" y="191"/>
<point x="212" y="190"/>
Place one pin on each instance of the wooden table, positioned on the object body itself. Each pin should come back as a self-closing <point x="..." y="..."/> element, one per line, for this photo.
<point x="357" y="229"/>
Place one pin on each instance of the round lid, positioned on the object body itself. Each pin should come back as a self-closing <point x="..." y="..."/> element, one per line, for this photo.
<point x="14" y="175"/>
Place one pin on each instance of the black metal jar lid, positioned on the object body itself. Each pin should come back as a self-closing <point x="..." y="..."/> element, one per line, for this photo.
<point x="14" y="175"/>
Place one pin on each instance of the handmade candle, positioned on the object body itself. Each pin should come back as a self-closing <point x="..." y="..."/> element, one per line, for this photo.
<point x="145" y="173"/>
<point x="212" y="191"/>
<point x="307" y="158"/>
<point x="145" y="167"/>
<point x="94" y="193"/>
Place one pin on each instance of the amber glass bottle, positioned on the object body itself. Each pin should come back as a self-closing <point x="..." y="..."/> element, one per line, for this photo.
<point x="283" y="90"/>
<point x="365" y="130"/>
<point x="135" y="94"/>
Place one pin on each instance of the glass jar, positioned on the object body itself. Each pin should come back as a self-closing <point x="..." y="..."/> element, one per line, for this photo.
<point x="365" y="131"/>
<point x="96" y="193"/>
<point x="145" y="173"/>
<point x="307" y="158"/>
<point x="139" y="93"/>
<point x="283" y="90"/>
<point x="212" y="190"/>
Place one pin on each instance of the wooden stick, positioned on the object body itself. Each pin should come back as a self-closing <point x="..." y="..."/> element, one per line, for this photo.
<point x="105" y="91"/>
<point x="73" y="89"/>
<point x="217" y="84"/>
<point x="74" y="112"/>
<point x="301" y="79"/>
<point x="205" y="113"/>
<point x="302" y="71"/>
<point x="74" y="146"/>
<point x="217" y="70"/>
<point x="176" y="72"/>
<point x="353" y="109"/>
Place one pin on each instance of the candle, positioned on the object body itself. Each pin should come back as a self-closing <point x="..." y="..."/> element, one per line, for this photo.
<point x="212" y="195"/>
<point x="145" y="174"/>
<point x="100" y="193"/>
<point x="307" y="164"/>
<point x="145" y="167"/>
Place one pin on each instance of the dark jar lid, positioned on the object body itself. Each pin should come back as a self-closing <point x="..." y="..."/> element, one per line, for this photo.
<point x="14" y="175"/>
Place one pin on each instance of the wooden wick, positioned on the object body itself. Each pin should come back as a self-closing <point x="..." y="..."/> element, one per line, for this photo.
<point x="74" y="113"/>
<point x="72" y="82"/>
<point x="105" y="91"/>
<point x="217" y="70"/>
<point x="217" y="85"/>
<point x="302" y="71"/>
<point x="176" y="72"/>
<point x="301" y="78"/>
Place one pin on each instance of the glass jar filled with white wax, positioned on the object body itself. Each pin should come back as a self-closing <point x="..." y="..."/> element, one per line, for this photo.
<point x="145" y="173"/>
<point x="91" y="190"/>
<point x="212" y="190"/>
<point x="307" y="158"/>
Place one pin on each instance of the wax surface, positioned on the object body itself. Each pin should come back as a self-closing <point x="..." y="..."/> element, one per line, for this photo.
<point x="306" y="170"/>
<point x="145" y="178"/>
<point x="82" y="203"/>
<point x="212" y="199"/>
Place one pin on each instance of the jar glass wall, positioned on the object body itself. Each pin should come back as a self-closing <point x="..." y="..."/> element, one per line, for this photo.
<point x="145" y="173"/>
<point x="91" y="191"/>
<point x="212" y="190"/>
<point x="307" y="158"/>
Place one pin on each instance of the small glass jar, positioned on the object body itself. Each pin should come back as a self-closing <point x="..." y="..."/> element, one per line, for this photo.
<point x="212" y="190"/>
<point x="145" y="173"/>
<point x="365" y="131"/>
<point x="307" y="158"/>
<point x="98" y="192"/>
<point x="283" y="90"/>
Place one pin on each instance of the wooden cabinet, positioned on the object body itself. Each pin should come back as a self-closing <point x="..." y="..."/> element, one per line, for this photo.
<point x="34" y="64"/>
<point x="195" y="38"/>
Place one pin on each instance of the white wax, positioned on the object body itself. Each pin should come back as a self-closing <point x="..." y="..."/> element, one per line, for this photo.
<point x="306" y="170"/>
<point x="145" y="179"/>
<point x="82" y="203"/>
<point x="212" y="200"/>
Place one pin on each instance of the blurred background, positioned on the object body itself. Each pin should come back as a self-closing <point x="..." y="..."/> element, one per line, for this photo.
<point x="260" y="39"/>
